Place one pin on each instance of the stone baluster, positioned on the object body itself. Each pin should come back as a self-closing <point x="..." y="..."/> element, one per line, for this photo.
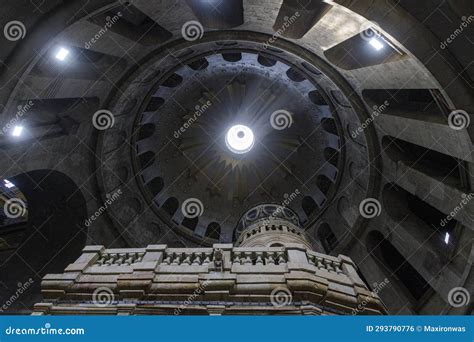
<point x="337" y="267"/>
<point x="167" y="259"/>
<point x="129" y="260"/>
<point x="236" y="259"/>
<point x="140" y="256"/>
<point x="197" y="259"/>
<point x="248" y="259"/>
<point x="207" y="258"/>
<point x="269" y="258"/>
<point x="101" y="260"/>
<point x="328" y="264"/>
<point x="176" y="258"/>
<point x="121" y="258"/>
<point x="281" y="258"/>
<point x="187" y="259"/>
<point x="319" y="262"/>
<point x="110" y="259"/>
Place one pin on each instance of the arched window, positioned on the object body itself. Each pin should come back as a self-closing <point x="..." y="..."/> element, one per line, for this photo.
<point x="327" y="237"/>
<point x="213" y="230"/>
<point x="53" y="232"/>
<point x="309" y="205"/>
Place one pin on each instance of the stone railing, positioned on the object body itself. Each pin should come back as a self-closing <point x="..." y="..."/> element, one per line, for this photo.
<point x="322" y="261"/>
<point x="177" y="257"/>
<point x="151" y="279"/>
<point x="252" y="257"/>
<point x="206" y="256"/>
<point x="118" y="259"/>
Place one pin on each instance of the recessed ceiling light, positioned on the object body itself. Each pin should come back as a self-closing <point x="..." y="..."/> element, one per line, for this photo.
<point x="377" y="44"/>
<point x="17" y="131"/>
<point x="239" y="139"/>
<point x="446" y="238"/>
<point x="62" y="54"/>
<point x="8" y="184"/>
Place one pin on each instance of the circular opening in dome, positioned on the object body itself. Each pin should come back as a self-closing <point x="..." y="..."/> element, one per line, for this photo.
<point x="239" y="139"/>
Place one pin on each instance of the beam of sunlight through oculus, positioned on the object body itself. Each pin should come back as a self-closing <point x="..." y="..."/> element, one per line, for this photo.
<point x="239" y="139"/>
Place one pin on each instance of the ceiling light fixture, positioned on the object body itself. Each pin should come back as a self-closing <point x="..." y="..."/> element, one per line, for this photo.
<point x="377" y="44"/>
<point x="8" y="184"/>
<point x="62" y="54"/>
<point x="239" y="139"/>
<point x="446" y="238"/>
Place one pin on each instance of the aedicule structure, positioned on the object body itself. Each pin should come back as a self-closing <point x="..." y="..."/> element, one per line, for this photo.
<point x="271" y="269"/>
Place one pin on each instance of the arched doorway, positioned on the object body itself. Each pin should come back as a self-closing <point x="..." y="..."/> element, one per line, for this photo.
<point x="49" y="236"/>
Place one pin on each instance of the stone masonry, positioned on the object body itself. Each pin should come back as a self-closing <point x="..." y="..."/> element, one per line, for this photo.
<point x="250" y="278"/>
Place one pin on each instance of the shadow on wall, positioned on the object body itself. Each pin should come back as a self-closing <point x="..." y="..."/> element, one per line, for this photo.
<point x="53" y="237"/>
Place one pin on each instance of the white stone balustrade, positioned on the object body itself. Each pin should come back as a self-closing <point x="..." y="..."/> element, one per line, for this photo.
<point x="155" y="279"/>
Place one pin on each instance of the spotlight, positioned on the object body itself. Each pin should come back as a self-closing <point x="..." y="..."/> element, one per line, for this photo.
<point x="446" y="238"/>
<point x="8" y="184"/>
<point x="17" y="130"/>
<point x="62" y="54"/>
<point x="377" y="44"/>
<point x="239" y="139"/>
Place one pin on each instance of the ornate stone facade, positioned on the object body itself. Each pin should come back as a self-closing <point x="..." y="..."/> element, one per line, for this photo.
<point x="255" y="277"/>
